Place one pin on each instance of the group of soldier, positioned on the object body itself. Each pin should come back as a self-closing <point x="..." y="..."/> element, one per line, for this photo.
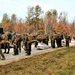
<point x="58" y="37"/>
<point x="28" y="39"/>
<point x="14" y="40"/>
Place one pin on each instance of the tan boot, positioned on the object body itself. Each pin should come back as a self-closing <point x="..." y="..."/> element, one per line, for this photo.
<point x="3" y="58"/>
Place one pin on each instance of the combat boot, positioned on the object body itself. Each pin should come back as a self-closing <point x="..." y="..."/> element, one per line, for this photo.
<point x="7" y="52"/>
<point x="3" y="58"/>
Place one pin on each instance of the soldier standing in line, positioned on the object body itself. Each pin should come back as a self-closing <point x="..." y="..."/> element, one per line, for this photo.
<point x="30" y="40"/>
<point x="8" y="39"/>
<point x="19" y="42"/>
<point x="60" y="39"/>
<point x="13" y="37"/>
<point x="29" y="48"/>
<point x="6" y="44"/>
<point x="52" y="41"/>
<point x="9" y="36"/>
<point x="29" y="43"/>
<point x="25" y="39"/>
<point x="3" y="57"/>
<point x="15" y="43"/>
<point x="67" y="37"/>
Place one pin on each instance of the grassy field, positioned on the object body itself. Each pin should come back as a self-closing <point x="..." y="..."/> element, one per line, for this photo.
<point x="60" y="62"/>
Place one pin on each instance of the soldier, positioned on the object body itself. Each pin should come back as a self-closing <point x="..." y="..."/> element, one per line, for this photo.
<point x="15" y="43"/>
<point x="13" y="37"/>
<point x="29" y="48"/>
<point x="25" y="39"/>
<point x="52" y="41"/>
<point x="68" y="38"/>
<point x="9" y="36"/>
<point x="6" y="44"/>
<point x="19" y="42"/>
<point x="29" y="43"/>
<point x="3" y="57"/>
<point x="59" y="37"/>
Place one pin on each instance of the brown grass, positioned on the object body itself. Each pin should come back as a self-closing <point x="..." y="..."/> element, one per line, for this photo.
<point x="60" y="62"/>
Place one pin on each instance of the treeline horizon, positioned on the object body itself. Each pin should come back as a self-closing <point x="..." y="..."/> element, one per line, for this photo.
<point x="36" y="21"/>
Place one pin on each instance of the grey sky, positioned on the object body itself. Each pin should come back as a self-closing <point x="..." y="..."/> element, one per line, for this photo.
<point x="19" y="7"/>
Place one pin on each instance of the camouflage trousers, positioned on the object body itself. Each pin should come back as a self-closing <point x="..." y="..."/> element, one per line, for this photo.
<point x="2" y="55"/>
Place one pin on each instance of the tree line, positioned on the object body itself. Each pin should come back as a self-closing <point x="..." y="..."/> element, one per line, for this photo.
<point x="36" y="22"/>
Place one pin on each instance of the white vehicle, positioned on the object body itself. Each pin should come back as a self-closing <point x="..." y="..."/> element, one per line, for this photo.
<point x="42" y="46"/>
<point x="63" y="43"/>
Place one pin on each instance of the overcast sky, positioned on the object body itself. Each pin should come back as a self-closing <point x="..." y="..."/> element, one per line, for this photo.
<point x="19" y="7"/>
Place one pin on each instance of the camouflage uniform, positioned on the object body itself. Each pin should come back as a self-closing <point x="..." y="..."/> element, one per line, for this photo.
<point x="6" y="44"/>
<point x="25" y="39"/>
<point x="3" y="57"/>
<point x="59" y="37"/>
<point x="29" y="48"/>
<point x="27" y="44"/>
<point x="68" y="38"/>
<point x="52" y="41"/>
<point x="15" y="43"/>
<point x="19" y="43"/>
<point x="9" y="36"/>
